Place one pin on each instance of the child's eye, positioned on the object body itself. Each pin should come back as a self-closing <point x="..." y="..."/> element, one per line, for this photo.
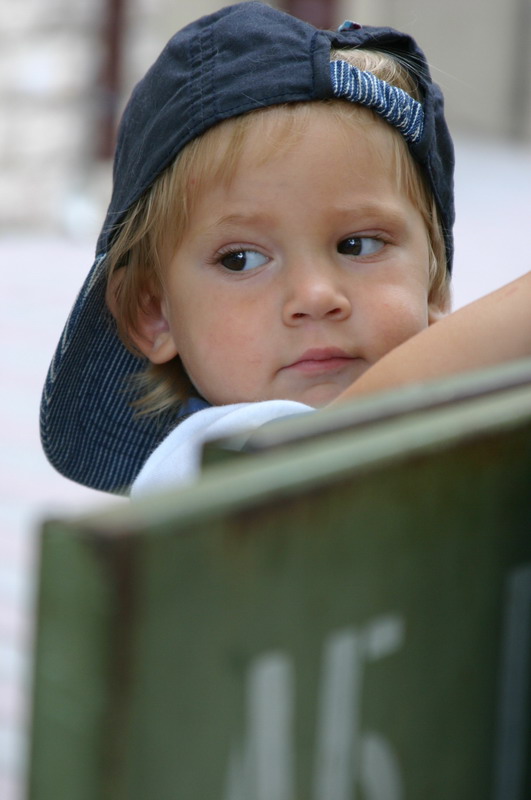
<point x="359" y="246"/>
<point x="242" y="260"/>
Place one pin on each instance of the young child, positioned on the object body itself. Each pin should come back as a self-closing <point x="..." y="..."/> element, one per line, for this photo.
<point x="281" y="219"/>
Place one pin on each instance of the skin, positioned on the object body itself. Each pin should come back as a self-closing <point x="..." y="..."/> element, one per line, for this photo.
<point x="335" y="274"/>
<point x="492" y="330"/>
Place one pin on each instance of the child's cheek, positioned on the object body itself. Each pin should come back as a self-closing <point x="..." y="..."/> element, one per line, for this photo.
<point x="396" y="320"/>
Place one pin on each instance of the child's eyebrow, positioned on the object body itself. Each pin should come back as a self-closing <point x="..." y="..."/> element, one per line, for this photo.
<point x="391" y="213"/>
<point x="250" y="218"/>
<point x="389" y="210"/>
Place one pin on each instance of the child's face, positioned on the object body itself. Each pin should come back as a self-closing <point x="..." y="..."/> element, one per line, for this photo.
<point x="298" y="274"/>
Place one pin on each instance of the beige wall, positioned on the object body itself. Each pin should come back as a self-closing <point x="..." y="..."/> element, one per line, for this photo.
<point x="479" y="51"/>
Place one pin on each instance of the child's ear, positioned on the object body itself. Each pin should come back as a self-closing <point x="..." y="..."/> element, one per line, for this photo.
<point x="151" y="334"/>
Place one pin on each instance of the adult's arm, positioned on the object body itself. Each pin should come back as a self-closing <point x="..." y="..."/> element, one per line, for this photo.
<point x="489" y="331"/>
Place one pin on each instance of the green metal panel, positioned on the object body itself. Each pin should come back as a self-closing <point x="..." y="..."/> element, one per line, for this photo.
<point x="345" y="618"/>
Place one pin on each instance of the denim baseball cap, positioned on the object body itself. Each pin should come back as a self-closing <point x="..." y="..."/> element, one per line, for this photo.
<point x="241" y="58"/>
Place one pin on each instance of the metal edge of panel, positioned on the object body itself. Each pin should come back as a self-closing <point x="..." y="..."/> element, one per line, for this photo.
<point x="79" y="651"/>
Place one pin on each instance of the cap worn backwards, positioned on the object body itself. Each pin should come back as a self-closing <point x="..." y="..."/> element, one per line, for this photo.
<point x="243" y="57"/>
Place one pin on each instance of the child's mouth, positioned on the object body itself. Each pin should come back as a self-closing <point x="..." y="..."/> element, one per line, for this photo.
<point x="328" y="359"/>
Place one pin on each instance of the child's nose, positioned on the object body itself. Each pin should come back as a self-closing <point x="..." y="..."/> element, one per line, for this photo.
<point x="316" y="294"/>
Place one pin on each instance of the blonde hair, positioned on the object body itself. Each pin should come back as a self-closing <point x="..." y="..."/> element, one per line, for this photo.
<point x="155" y="225"/>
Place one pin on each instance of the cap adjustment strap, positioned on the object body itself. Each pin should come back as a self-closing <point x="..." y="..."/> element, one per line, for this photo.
<point x="393" y="104"/>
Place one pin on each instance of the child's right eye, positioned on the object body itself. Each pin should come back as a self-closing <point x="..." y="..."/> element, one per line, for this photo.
<point x="242" y="260"/>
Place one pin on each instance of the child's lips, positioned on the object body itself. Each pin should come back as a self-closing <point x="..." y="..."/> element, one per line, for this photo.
<point x="321" y="360"/>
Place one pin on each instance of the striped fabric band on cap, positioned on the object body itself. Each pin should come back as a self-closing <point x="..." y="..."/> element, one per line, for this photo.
<point x="389" y="102"/>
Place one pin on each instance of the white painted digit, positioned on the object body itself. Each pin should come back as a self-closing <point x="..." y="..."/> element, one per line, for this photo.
<point x="380" y="773"/>
<point x="263" y="768"/>
<point x="338" y="717"/>
<point x="344" y="756"/>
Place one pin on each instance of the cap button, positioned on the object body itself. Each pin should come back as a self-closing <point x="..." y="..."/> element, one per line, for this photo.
<point x="348" y="25"/>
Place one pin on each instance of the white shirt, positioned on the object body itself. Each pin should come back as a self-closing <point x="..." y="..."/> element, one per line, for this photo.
<point x="177" y="459"/>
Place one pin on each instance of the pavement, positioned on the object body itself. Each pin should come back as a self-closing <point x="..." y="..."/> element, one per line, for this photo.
<point x="40" y="276"/>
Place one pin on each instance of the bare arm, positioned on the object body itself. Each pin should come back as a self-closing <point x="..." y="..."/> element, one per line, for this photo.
<point x="492" y="330"/>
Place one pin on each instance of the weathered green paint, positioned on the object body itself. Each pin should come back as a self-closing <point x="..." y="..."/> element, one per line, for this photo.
<point x="383" y="553"/>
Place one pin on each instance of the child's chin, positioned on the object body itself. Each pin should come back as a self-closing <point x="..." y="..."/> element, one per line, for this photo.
<point x="320" y="396"/>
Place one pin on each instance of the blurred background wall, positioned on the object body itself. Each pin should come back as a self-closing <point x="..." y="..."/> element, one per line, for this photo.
<point x="66" y="67"/>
